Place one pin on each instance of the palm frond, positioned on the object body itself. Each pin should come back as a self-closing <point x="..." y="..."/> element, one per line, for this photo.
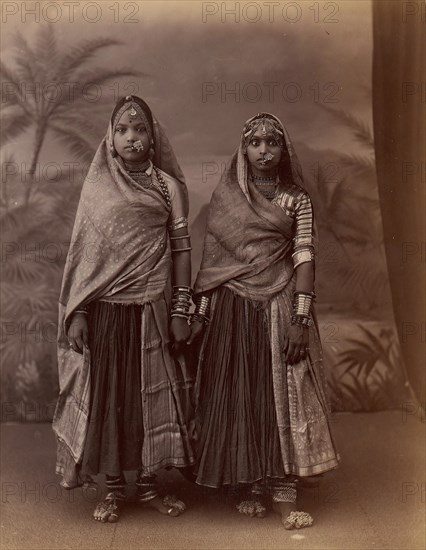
<point x="345" y="213"/>
<point x="61" y="215"/>
<point x="361" y="131"/>
<point x="27" y="268"/>
<point x="364" y="282"/>
<point x="29" y="313"/>
<point x="13" y="126"/>
<point x="355" y="223"/>
<point x="91" y="126"/>
<point x="324" y="185"/>
<point x="80" y="55"/>
<point x="98" y="76"/>
<point x="18" y="98"/>
<point x="86" y="88"/>
<point x="11" y="222"/>
<point x="20" y="301"/>
<point x="80" y="108"/>
<point x="79" y="147"/>
<point x="26" y="59"/>
<point x="46" y="44"/>
<point x="355" y="396"/>
<point x="337" y="197"/>
<point x="380" y="344"/>
<point x="360" y="166"/>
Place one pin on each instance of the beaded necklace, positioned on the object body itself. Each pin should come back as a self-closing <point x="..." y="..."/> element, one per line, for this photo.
<point x="138" y="173"/>
<point x="163" y="187"/>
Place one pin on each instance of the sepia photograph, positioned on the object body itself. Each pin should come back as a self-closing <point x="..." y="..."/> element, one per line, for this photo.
<point x="213" y="252"/>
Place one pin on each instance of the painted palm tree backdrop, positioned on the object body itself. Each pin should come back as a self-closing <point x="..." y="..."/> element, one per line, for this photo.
<point x="51" y="106"/>
<point x="43" y="96"/>
<point x="49" y="90"/>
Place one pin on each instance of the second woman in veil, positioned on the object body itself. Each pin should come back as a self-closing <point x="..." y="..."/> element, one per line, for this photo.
<point x="262" y="406"/>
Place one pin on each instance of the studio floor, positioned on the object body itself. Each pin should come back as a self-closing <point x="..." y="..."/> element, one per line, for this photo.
<point x="376" y="499"/>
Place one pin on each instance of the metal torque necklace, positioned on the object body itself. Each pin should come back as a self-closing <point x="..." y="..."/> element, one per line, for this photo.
<point x="266" y="185"/>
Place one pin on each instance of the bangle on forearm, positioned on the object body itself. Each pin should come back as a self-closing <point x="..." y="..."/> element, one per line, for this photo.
<point x="181" y="301"/>
<point x="303" y="303"/>
<point x="181" y="243"/>
<point x="202" y="309"/>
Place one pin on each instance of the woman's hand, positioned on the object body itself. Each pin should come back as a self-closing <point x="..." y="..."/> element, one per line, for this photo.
<point x="180" y="330"/>
<point x="78" y="332"/>
<point x="196" y="329"/>
<point x="298" y="344"/>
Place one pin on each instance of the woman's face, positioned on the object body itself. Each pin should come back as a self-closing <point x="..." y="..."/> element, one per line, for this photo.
<point x="260" y="149"/>
<point x="131" y="140"/>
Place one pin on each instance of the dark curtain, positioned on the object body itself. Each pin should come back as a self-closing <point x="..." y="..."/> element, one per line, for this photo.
<point x="399" y="132"/>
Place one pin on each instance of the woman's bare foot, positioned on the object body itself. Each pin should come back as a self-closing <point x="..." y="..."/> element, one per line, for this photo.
<point x="169" y="505"/>
<point x="252" y="508"/>
<point x="108" y="510"/>
<point x="283" y="509"/>
<point x="290" y="518"/>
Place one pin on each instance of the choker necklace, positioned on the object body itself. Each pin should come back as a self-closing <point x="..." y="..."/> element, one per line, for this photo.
<point x="264" y="178"/>
<point x="137" y="167"/>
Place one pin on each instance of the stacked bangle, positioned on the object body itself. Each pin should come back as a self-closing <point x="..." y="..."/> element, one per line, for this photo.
<point x="82" y="309"/>
<point x="181" y="301"/>
<point x="301" y="320"/>
<point x="302" y="308"/>
<point x="202" y="310"/>
<point x="182" y="243"/>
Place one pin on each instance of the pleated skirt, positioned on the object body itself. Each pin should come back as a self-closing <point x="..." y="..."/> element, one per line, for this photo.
<point x="115" y="433"/>
<point x="238" y="440"/>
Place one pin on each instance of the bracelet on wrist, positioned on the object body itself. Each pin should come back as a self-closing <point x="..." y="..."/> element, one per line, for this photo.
<point x="301" y="320"/>
<point x="181" y="301"/>
<point x="200" y="318"/>
<point x="185" y="316"/>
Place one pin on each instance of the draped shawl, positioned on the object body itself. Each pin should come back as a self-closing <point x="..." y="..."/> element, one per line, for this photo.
<point x="248" y="240"/>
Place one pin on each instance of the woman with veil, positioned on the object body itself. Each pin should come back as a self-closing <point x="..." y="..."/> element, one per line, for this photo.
<point x="261" y="393"/>
<point x="123" y="317"/>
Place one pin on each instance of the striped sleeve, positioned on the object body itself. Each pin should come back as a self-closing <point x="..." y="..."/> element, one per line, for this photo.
<point x="303" y="242"/>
